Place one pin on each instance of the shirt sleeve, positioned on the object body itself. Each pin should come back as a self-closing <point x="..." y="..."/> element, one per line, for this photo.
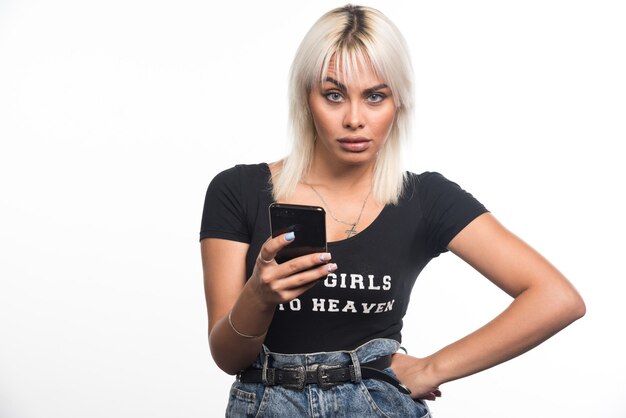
<point x="447" y="209"/>
<point x="223" y="215"/>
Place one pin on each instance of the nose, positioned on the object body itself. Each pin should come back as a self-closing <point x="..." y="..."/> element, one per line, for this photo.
<point x="353" y="118"/>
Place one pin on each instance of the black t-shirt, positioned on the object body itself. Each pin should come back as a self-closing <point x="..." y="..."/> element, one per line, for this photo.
<point x="367" y="296"/>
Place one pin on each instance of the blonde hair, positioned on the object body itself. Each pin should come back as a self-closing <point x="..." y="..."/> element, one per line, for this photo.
<point x="355" y="37"/>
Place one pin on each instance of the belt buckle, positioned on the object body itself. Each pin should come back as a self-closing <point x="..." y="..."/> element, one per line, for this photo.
<point x="322" y="376"/>
<point x="300" y="377"/>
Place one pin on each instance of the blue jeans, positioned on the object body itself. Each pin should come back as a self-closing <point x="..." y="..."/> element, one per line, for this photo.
<point x="367" y="398"/>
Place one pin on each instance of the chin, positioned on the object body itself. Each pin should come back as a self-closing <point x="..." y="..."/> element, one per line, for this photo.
<point x="358" y="159"/>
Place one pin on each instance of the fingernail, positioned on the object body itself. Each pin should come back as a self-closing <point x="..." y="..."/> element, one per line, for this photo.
<point x="290" y="236"/>
<point x="325" y="257"/>
<point x="331" y="267"/>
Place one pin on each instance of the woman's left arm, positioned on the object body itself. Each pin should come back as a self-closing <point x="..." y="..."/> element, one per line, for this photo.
<point x="544" y="303"/>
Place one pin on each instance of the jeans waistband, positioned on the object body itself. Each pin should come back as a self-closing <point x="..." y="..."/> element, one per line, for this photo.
<point x="369" y="351"/>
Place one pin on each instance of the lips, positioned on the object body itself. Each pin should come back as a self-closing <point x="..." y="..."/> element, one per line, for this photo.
<point x="354" y="144"/>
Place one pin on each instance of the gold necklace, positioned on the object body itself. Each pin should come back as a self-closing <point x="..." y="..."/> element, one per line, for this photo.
<point x="349" y="232"/>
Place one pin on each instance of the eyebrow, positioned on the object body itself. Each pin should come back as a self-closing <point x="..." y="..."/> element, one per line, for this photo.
<point x="375" y="88"/>
<point x="343" y="87"/>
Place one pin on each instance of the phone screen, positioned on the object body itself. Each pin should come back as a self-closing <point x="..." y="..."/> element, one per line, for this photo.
<point x="307" y="222"/>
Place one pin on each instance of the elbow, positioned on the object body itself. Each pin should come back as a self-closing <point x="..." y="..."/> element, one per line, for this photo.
<point x="221" y="364"/>
<point x="563" y="304"/>
<point x="226" y="367"/>
<point x="578" y="309"/>
<point x="228" y="370"/>
<point x="572" y="306"/>
<point x="221" y="357"/>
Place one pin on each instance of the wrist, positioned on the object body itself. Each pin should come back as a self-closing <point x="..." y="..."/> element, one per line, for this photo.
<point x="250" y="316"/>
<point x="241" y="334"/>
<point x="435" y="371"/>
<point x="253" y="296"/>
<point x="427" y="370"/>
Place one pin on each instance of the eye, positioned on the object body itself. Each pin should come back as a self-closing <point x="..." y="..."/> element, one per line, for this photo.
<point x="375" y="97"/>
<point x="334" y="96"/>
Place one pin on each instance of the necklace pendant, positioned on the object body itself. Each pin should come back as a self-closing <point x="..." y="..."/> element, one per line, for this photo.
<point x="349" y="232"/>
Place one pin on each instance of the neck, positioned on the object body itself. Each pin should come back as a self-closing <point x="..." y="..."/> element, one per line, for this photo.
<point x="340" y="176"/>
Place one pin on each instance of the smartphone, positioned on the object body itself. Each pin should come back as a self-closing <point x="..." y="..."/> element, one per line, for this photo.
<point x="307" y="222"/>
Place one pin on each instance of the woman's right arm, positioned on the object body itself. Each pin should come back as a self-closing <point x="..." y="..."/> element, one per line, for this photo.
<point x="251" y="303"/>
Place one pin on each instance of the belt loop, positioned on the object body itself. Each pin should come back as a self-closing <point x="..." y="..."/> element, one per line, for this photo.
<point x="267" y="375"/>
<point x="355" y="368"/>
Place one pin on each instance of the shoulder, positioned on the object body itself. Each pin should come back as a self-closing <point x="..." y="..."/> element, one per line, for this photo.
<point x="235" y="183"/>
<point x="427" y="178"/>
<point x="239" y="171"/>
<point x="242" y="177"/>
<point x="446" y="208"/>
<point x="427" y="184"/>
<point x="439" y="196"/>
<point x="232" y="200"/>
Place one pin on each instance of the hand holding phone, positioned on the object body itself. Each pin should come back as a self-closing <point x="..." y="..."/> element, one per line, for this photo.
<point x="307" y="222"/>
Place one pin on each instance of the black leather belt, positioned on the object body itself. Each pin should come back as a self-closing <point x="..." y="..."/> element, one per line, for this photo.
<point x="323" y="375"/>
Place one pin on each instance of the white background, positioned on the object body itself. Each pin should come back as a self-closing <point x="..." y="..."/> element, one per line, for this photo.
<point x="114" y="117"/>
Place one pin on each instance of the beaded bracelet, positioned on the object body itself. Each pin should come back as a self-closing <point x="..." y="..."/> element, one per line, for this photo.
<point x="250" y="337"/>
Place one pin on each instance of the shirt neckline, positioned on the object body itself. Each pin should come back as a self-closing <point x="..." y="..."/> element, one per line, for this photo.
<point x="344" y="241"/>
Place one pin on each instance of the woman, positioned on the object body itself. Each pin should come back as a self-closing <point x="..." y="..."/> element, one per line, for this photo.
<point x="319" y="334"/>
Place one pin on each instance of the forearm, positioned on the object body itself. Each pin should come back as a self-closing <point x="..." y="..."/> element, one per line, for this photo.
<point x="545" y="301"/>
<point x="534" y="316"/>
<point x="252" y="302"/>
<point x="231" y="351"/>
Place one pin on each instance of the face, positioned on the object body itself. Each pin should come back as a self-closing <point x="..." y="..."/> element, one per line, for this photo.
<point x="352" y="121"/>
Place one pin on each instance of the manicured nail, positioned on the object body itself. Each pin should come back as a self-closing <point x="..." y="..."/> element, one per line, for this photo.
<point x="331" y="267"/>
<point x="325" y="257"/>
<point x="290" y="236"/>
